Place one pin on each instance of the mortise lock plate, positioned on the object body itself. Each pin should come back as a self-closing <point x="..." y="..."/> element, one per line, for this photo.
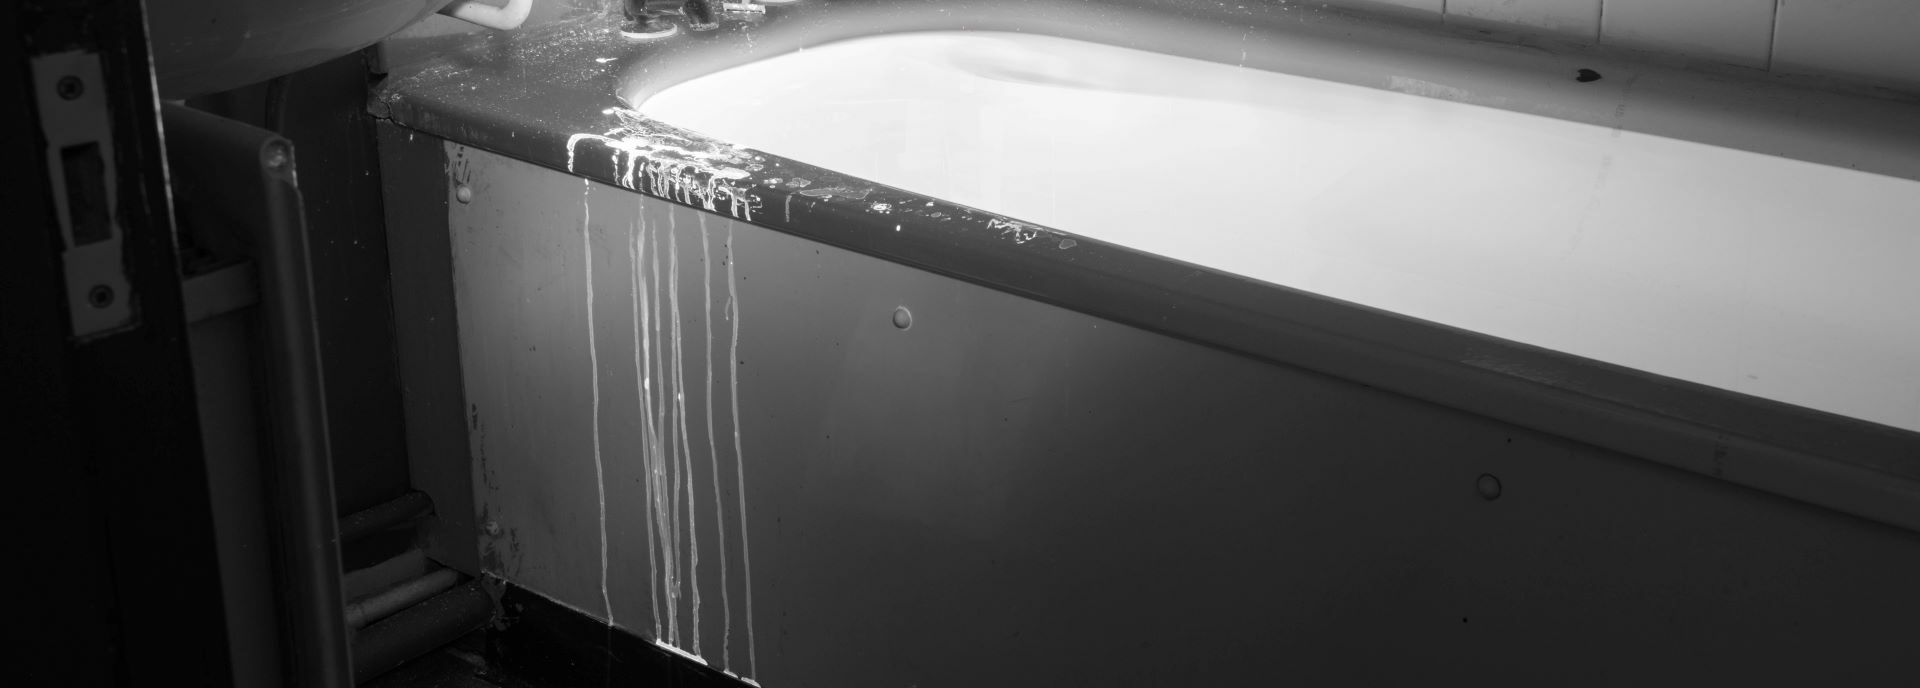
<point x="75" y="118"/>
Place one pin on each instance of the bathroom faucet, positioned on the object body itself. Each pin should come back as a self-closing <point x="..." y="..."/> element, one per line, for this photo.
<point x="701" y="15"/>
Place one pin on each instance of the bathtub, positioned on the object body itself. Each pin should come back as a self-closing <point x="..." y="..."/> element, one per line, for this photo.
<point x="963" y="386"/>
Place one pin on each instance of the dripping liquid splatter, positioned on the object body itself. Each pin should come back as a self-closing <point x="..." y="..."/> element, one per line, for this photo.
<point x="669" y="446"/>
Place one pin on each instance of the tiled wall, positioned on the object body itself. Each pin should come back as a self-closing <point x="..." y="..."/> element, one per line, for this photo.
<point x="1876" y="41"/>
<point x="1734" y="31"/>
<point x="1579" y="19"/>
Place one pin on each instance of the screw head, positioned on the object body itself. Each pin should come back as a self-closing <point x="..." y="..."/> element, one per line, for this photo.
<point x="100" y="296"/>
<point x="493" y="527"/>
<point x="276" y="156"/>
<point x="1488" y="486"/>
<point x="464" y="193"/>
<point x="70" y="87"/>
<point x="902" y="318"/>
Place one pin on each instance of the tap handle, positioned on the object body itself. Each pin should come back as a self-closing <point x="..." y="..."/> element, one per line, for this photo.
<point x="699" y="15"/>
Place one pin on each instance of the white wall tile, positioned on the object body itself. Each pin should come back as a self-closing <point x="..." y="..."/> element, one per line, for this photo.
<point x="1873" y="40"/>
<point x="1578" y="19"/>
<point x="1734" y="31"/>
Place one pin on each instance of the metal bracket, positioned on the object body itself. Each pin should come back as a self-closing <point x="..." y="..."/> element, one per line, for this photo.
<point x="74" y="117"/>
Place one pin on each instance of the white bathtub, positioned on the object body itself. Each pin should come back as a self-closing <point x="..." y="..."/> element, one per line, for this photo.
<point x="1125" y="457"/>
<point x="1765" y="275"/>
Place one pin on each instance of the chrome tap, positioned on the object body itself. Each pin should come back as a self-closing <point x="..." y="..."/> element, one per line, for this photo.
<point x="699" y="14"/>
<point x="648" y="17"/>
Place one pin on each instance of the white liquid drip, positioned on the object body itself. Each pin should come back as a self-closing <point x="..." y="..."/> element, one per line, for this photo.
<point x="713" y="449"/>
<point x="740" y="473"/>
<point x="666" y="178"/>
<point x="686" y="440"/>
<point x="641" y="354"/>
<point x="593" y="364"/>
<point x="667" y="440"/>
<point x="663" y="505"/>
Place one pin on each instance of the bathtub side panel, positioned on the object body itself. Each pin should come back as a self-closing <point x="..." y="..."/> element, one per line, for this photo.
<point x="935" y="483"/>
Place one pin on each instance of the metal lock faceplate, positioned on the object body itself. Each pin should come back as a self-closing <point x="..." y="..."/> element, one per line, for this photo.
<point x="75" y="118"/>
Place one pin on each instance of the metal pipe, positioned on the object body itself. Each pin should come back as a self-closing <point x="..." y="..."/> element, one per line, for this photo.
<point x="419" y="629"/>
<point x="402" y="596"/>
<point x="383" y="516"/>
<point x="403" y="567"/>
<point x="298" y="408"/>
<point x="504" y="18"/>
<point x="248" y="173"/>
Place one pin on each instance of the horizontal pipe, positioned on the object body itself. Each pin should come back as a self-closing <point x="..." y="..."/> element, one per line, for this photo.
<point x="504" y="18"/>
<point x="419" y="629"/>
<point x="402" y="567"/>
<point x="386" y="515"/>
<point x="402" y="596"/>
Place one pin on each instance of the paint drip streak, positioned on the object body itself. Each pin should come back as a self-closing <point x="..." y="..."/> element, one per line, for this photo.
<point x="593" y="364"/>
<point x="671" y="457"/>
<point x="739" y="464"/>
<point x="669" y="529"/>
<point x="640" y="356"/>
<point x="686" y="440"/>
<point x="713" y="449"/>
<point x="674" y="164"/>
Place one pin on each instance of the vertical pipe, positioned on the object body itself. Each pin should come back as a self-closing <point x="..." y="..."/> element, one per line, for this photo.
<point x="248" y="175"/>
<point x="302" y="485"/>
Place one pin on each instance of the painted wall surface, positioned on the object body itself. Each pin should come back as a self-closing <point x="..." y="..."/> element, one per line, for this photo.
<point x="1007" y="493"/>
<point x="1576" y="19"/>
<point x="1864" y="40"/>
<point x="1733" y="31"/>
<point x="1876" y="39"/>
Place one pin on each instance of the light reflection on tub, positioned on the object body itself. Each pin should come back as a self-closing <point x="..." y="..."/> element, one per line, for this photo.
<point x="1768" y="276"/>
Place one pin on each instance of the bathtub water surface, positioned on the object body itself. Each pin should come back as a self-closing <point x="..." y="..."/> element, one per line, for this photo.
<point x="1769" y="276"/>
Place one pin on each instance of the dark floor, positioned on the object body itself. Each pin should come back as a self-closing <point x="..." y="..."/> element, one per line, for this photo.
<point x="460" y="664"/>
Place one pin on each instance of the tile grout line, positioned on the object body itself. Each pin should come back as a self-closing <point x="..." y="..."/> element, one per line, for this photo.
<point x="1600" y="24"/>
<point x="1773" y="33"/>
